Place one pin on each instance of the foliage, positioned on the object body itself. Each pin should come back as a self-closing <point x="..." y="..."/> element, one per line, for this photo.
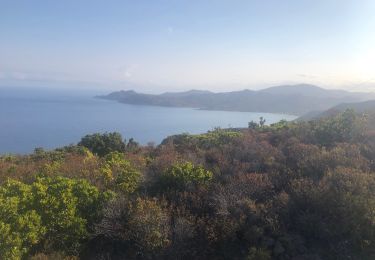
<point x="340" y="214"/>
<point x="253" y="125"/>
<point x="20" y="224"/>
<point x="347" y="126"/>
<point x="282" y="124"/>
<point x="290" y="190"/>
<point x="141" y="226"/>
<point x="262" y="123"/>
<point x="216" y="137"/>
<point x="103" y="144"/>
<point x="118" y="173"/>
<point x="51" y="213"/>
<point x="182" y="176"/>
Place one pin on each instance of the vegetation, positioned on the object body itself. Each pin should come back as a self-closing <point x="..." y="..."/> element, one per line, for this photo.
<point x="103" y="144"/>
<point x="297" y="190"/>
<point x="183" y="176"/>
<point x="49" y="214"/>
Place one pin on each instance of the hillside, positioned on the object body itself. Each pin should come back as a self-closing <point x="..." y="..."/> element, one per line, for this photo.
<point x="293" y="99"/>
<point x="358" y="107"/>
<point x="292" y="190"/>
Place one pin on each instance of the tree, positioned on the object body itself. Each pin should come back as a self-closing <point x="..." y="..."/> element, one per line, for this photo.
<point x="182" y="176"/>
<point x="119" y="174"/>
<point x="54" y="214"/>
<point x="21" y="225"/>
<point x="262" y="121"/>
<point x="253" y="125"/>
<point x="103" y="144"/>
<point x="132" y="145"/>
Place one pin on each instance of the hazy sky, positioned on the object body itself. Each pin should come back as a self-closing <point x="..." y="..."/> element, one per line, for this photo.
<point x="171" y="45"/>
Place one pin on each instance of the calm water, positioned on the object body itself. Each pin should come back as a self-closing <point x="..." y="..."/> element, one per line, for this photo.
<point x="34" y="118"/>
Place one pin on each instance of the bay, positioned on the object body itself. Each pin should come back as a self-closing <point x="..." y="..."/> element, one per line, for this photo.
<point x="31" y="118"/>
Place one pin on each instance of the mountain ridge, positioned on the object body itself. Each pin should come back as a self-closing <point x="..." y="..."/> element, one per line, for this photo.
<point x="289" y="99"/>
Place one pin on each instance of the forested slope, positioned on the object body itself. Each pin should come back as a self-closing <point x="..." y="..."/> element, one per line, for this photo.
<point x="301" y="190"/>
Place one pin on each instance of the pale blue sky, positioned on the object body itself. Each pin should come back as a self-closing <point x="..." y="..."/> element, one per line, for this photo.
<point x="172" y="45"/>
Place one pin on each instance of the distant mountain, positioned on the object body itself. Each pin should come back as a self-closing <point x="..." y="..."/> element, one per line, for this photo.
<point x="291" y="99"/>
<point x="186" y="93"/>
<point x="306" y="90"/>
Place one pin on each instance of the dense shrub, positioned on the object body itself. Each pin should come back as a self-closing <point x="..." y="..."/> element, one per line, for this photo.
<point x="49" y="214"/>
<point x="299" y="190"/>
<point x="118" y="174"/>
<point x="102" y="144"/>
<point x="183" y="176"/>
<point x="141" y="227"/>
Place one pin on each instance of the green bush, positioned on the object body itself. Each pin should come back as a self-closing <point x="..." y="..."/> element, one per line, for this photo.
<point x="51" y="213"/>
<point x="182" y="176"/>
<point x="119" y="174"/>
<point x="103" y="144"/>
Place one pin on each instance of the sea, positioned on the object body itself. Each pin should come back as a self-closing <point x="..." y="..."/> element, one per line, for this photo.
<point x="48" y="118"/>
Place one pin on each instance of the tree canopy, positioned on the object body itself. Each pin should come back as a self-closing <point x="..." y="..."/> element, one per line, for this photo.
<point x="290" y="190"/>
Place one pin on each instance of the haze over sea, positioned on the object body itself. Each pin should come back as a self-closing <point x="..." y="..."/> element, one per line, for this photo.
<point x="31" y="118"/>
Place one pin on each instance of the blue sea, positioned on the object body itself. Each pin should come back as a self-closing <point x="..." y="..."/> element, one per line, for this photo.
<point x="31" y="118"/>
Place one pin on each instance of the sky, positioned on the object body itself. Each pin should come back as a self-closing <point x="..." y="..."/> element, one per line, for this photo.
<point x="164" y="45"/>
